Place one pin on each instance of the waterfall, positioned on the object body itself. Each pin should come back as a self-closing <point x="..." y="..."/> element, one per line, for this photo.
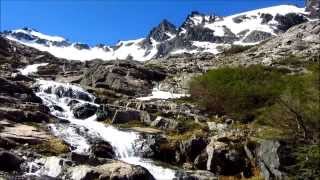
<point x="61" y="97"/>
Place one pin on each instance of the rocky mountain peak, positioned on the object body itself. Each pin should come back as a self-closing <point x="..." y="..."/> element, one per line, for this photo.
<point x="164" y="31"/>
<point x="196" y="18"/>
<point x="30" y="34"/>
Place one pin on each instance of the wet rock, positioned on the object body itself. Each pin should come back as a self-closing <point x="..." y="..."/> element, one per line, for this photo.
<point x="79" y="158"/>
<point x="87" y="159"/>
<point x="165" y="123"/>
<point x="191" y="148"/>
<point x="103" y="149"/>
<point x="200" y="161"/>
<point x="124" y="116"/>
<point x="9" y="161"/>
<point x="83" y="111"/>
<point x="145" y="117"/>
<point x="62" y="91"/>
<point x="113" y="171"/>
<point x="148" y="145"/>
<point x="102" y="114"/>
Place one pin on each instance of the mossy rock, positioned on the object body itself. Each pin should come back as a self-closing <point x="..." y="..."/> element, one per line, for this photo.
<point x="52" y="147"/>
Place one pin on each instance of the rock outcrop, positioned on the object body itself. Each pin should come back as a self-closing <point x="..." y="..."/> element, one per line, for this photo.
<point x="125" y="77"/>
<point x="273" y="157"/>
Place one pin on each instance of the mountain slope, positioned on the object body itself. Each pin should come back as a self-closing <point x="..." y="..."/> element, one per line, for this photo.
<point x="199" y="33"/>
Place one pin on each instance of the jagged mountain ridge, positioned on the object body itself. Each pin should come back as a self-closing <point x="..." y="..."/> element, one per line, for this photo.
<point x="198" y="33"/>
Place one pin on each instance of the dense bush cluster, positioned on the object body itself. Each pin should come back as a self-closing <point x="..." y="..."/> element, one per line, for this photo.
<point x="237" y="91"/>
<point x="285" y="103"/>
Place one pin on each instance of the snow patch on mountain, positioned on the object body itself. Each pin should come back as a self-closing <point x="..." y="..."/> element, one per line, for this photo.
<point x="31" y="32"/>
<point x="199" y="33"/>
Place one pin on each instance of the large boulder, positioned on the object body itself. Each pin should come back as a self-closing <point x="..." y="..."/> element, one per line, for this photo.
<point x="191" y="148"/>
<point x="102" y="149"/>
<point x="83" y="111"/>
<point x="9" y="161"/>
<point x="273" y="156"/>
<point x="114" y="171"/>
<point x="224" y="159"/>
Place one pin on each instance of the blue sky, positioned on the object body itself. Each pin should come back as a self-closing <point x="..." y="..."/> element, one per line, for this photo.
<point x="107" y="21"/>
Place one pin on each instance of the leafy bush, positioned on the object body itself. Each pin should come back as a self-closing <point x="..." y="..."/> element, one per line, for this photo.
<point x="237" y="91"/>
<point x="308" y="162"/>
<point x="297" y="111"/>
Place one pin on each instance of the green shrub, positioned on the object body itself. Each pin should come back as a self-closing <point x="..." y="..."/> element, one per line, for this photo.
<point x="237" y="91"/>
<point x="308" y="162"/>
<point x="297" y="111"/>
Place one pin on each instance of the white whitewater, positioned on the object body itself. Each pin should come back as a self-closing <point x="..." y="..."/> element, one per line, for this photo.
<point x="53" y="96"/>
<point x="30" y="69"/>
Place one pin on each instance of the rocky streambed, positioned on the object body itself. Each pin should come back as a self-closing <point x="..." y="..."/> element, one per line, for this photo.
<point x="67" y="102"/>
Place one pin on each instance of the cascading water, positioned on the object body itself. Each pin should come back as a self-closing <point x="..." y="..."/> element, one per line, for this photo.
<point x="60" y="98"/>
